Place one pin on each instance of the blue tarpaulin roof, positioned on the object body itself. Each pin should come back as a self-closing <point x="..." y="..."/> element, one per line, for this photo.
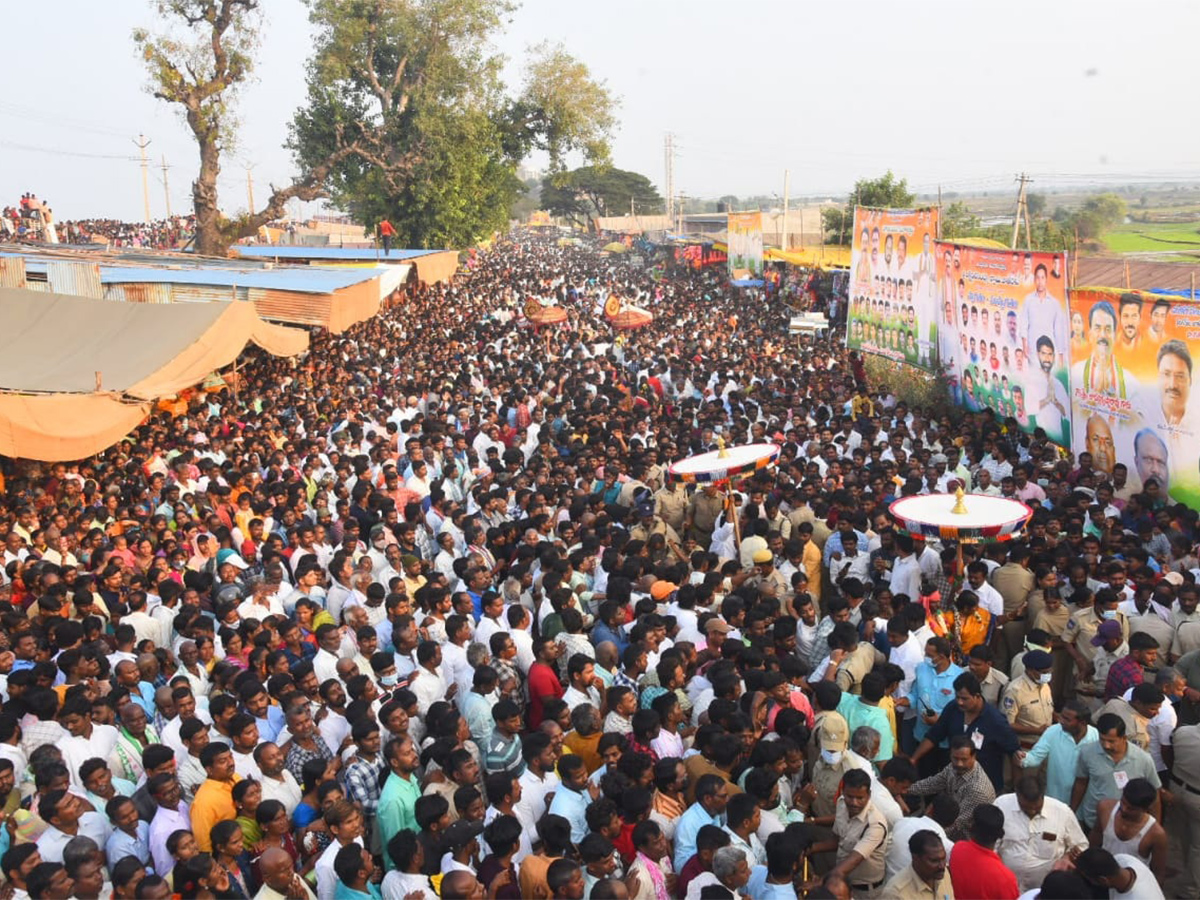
<point x="302" y="279"/>
<point x="345" y="254"/>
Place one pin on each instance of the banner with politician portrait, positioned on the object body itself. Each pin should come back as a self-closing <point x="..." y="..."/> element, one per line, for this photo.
<point x="893" y="308"/>
<point x="745" y="242"/>
<point x="1131" y="388"/>
<point x="1010" y="333"/>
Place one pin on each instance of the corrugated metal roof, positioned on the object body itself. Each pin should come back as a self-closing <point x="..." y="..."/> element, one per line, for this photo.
<point x="1142" y="274"/>
<point x="302" y="279"/>
<point x="362" y="254"/>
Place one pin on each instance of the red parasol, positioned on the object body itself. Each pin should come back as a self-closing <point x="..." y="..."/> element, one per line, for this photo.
<point x="630" y="318"/>
<point x="544" y="315"/>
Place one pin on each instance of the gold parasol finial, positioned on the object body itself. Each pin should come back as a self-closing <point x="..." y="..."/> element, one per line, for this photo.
<point x="960" y="508"/>
<point x="722" y="453"/>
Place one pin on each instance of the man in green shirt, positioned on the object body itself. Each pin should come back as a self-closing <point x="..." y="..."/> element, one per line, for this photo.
<point x="1105" y="767"/>
<point x="398" y="800"/>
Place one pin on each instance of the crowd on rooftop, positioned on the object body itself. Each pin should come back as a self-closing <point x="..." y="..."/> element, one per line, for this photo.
<point x="420" y="614"/>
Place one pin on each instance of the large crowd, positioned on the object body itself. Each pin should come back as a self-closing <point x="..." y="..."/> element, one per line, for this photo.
<point x="31" y="220"/>
<point x="421" y="615"/>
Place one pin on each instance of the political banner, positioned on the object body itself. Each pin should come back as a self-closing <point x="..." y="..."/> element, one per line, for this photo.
<point x="1010" y="333"/>
<point x="893" y="308"/>
<point x="1131" y="386"/>
<point x="745" y="241"/>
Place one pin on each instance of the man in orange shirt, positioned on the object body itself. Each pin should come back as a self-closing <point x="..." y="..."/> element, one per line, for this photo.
<point x="386" y="232"/>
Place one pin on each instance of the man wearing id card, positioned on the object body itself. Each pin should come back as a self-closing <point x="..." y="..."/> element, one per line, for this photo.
<point x="1105" y="767"/>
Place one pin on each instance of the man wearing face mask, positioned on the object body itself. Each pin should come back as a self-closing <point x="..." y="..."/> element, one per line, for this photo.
<point x="1027" y="702"/>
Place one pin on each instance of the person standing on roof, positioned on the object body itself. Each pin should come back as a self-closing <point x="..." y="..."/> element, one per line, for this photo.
<point x="386" y="233"/>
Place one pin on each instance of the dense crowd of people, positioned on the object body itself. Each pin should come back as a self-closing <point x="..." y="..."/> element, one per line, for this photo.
<point x="421" y="615"/>
<point x="32" y="221"/>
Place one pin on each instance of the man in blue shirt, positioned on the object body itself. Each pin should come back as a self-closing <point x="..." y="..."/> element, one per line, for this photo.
<point x="573" y="796"/>
<point x="984" y="724"/>
<point x="933" y="686"/>
<point x="1059" y="746"/>
<point x="709" y="809"/>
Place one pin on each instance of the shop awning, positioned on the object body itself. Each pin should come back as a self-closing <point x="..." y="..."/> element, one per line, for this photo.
<point x="76" y="373"/>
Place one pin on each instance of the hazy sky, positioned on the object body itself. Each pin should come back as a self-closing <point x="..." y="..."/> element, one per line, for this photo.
<point x="961" y="94"/>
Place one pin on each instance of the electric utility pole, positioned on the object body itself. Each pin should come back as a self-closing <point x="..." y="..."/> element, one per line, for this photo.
<point x="1022" y="211"/>
<point x="141" y="143"/>
<point x="669" y="159"/>
<point x="783" y="238"/>
<point x="166" y="187"/>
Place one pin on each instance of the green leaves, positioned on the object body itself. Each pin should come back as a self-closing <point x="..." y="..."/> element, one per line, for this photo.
<point x="414" y="88"/>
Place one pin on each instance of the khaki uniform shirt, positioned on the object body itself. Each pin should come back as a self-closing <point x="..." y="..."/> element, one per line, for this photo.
<point x="641" y="532"/>
<point x="854" y="667"/>
<point x="1014" y="583"/>
<point x="671" y="506"/>
<point x="773" y="584"/>
<point x="907" y="885"/>
<point x="994" y="685"/>
<point x="1028" y="703"/>
<point x="1082" y="625"/>
<point x="1154" y="626"/>
<point x="827" y="781"/>
<point x="1137" y="728"/>
<point x="1054" y="623"/>
<point x="865" y="834"/>
<point x="704" y="511"/>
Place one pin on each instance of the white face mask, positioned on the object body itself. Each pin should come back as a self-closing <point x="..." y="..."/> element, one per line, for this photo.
<point x="1044" y="678"/>
<point x="389" y="680"/>
<point x="832" y="757"/>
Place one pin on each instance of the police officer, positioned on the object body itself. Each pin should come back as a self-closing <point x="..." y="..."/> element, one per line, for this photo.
<point x="1027" y="702"/>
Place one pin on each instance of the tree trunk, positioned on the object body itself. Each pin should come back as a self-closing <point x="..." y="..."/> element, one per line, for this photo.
<point x="209" y="239"/>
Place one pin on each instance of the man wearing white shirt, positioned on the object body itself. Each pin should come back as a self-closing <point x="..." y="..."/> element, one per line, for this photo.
<point x="277" y="782"/>
<point x="88" y="740"/>
<point x="989" y="597"/>
<point x="906" y="652"/>
<point x="145" y="627"/>
<point x="519" y="620"/>
<point x="1038" y="832"/>
<point x="906" y="573"/>
<point x="345" y="823"/>
<point x="63" y="812"/>
<point x="493" y="621"/>
<point x="428" y="682"/>
<point x="943" y="811"/>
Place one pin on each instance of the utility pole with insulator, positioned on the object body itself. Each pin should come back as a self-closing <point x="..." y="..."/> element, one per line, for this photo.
<point x="141" y="143"/>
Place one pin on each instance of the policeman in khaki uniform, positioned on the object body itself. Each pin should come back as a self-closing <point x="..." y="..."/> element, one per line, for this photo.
<point x="670" y="502"/>
<point x="1027" y="702"/>
<point x="770" y="582"/>
<point x="650" y="524"/>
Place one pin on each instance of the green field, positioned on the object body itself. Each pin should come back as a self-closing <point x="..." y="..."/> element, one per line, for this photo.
<point x="1138" y="236"/>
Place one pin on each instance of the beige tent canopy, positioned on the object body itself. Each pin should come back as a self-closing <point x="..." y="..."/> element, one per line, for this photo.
<point x="77" y="373"/>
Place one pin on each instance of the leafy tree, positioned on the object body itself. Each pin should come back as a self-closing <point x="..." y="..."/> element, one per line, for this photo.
<point x="885" y="192"/>
<point x="414" y="84"/>
<point x="1036" y="204"/>
<point x="592" y="191"/>
<point x="198" y="63"/>
<point x="958" y="222"/>
<point x="1097" y="215"/>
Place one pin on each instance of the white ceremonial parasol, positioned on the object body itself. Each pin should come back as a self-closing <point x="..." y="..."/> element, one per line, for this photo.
<point x="720" y="466"/>
<point x="965" y="518"/>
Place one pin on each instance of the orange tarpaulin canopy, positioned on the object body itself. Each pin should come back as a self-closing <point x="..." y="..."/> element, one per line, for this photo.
<point x="77" y="373"/>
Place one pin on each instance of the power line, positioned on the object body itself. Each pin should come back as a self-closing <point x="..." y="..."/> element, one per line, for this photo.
<point x="32" y="149"/>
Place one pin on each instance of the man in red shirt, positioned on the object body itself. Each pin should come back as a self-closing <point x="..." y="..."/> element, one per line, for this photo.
<point x="975" y="867"/>
<point x="387" y="232"/>
<point x="544" y="685"/>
